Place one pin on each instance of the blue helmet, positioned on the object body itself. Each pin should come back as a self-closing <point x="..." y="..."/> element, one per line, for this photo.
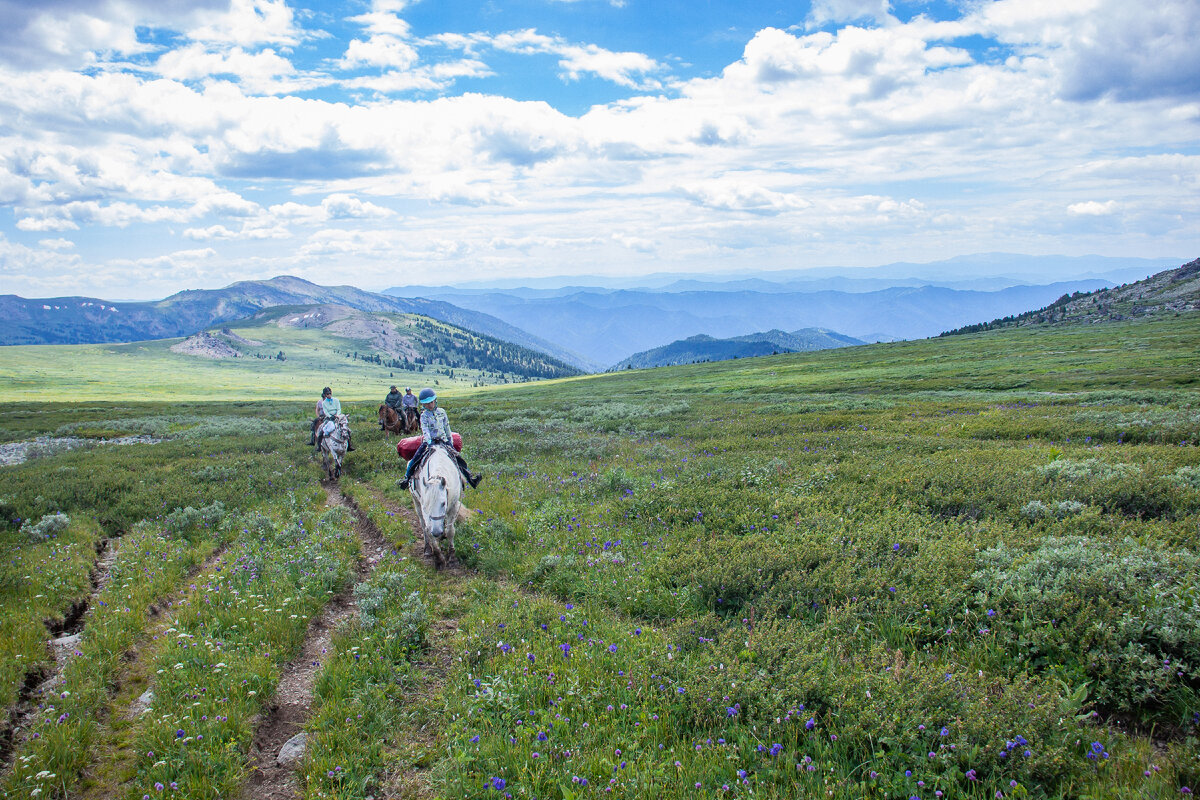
<point x="426" y="396"/>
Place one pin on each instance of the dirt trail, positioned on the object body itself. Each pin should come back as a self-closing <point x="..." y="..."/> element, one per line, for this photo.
<point x="65" y="636"/>
<point x="293" y="697"/>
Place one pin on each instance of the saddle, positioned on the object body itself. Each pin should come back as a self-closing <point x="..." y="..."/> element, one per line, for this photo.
<point x="450" y="450"/>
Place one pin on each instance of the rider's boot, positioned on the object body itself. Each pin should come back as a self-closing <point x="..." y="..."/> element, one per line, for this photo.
<point x="404" y="483"/>
<point x="349" y="446"/>
<point x="474" y="480"/>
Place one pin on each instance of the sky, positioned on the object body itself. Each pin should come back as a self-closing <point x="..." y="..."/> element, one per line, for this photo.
<point x="149" y="146"/>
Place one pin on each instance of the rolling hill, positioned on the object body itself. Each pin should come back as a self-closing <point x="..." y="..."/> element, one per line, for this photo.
<point x="701" y="348"/>
<point x="79" y="320"/>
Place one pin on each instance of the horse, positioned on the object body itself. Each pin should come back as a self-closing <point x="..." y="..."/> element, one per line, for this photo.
<point x="436" y="491"/>
<point x="391" y="421"/>
<point x="412" y="420"/>
<point x="335" y="438"/>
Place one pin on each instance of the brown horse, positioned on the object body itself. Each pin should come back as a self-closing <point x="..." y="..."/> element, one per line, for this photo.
<point x="390" y="421"/>
<point x="412" y="420"/>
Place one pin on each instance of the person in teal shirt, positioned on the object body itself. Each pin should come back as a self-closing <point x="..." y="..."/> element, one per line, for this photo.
<point x="327" y="407"/>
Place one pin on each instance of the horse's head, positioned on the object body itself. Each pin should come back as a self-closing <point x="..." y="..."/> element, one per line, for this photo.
<point x="433" y="505"/>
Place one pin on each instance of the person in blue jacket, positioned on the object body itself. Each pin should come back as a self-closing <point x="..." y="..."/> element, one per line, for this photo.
<point x="435" y="428"/>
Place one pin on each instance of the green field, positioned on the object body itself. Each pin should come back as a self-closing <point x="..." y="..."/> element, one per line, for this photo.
<point x="312" y="358"/>
<point x="962" y="568"/>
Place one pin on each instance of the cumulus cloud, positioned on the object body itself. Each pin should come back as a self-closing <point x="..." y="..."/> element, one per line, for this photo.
<point x="1092" y="208"/>
<point x="261" y="72"/>
<point x="1129" y="52"/>
<point x="73" y="33"/>
<point x="576" y="61"/>
<point x="250" y="22"/>
<point x="732" y="194"/>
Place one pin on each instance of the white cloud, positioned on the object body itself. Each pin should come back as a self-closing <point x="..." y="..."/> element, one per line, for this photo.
<point x="576" y="61"/>
<point x="56" y="244"/>
<point x="1092" y="208"/>
<point x="732" y="194"/>
<point x="1129" y="51"/>
<point x="250" y="22"/>
<point x="379" y="51"/>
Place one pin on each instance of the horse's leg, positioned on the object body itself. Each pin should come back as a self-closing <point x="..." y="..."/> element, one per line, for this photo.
<point x="449" y="537"/>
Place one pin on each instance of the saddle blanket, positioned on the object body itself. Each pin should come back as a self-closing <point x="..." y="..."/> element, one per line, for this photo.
<point x="408" y="447"/>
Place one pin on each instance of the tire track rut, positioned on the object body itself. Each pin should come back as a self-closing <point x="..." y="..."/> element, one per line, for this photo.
<point x="268" y="779"/>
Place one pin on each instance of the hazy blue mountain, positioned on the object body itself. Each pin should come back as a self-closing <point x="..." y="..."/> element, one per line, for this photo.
<point x="706" y="348"/>
<point x="77" y="320"/>
<point x="981" y="271"/>
<point x="607" y="326"/>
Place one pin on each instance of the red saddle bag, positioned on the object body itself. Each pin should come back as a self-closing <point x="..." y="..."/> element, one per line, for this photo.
<point x="408" y="447"/>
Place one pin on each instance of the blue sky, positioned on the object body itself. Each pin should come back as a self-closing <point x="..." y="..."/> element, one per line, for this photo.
<point x="148" y="146"/>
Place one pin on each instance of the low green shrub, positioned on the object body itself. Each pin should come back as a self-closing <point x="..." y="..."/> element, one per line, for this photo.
<point x="1119" y="615"/>
<point x="48" y="527"/>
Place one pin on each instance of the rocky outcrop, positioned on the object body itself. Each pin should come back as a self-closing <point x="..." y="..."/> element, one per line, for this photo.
<point x="206" y="345"/>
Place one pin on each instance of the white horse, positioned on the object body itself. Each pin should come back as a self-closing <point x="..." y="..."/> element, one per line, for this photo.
<point x="335" y="438"/>
<point x="436" y="490"/>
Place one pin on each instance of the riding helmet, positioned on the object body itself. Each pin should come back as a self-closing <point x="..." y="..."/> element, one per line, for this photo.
<point x="427" y="395"/>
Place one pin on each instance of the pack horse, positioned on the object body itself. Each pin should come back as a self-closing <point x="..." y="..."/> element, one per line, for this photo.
<point x="436" y="491"/>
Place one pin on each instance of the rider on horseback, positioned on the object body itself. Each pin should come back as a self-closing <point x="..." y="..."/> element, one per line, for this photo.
<point x="328" y="407"/>
<point x="435" y="429"/>
<point x="394" y="401"/>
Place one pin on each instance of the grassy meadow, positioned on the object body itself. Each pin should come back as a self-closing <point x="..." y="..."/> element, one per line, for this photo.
<point x="151" y="371"/>
<point x="955" y="568"/>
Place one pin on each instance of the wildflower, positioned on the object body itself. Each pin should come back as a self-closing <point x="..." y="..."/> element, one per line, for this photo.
<point x="498" y="784"/>
<point x="475" y="739"/>
<point x="812" y="723"/>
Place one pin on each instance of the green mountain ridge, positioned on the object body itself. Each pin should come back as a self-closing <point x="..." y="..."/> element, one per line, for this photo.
<point x="1172" y="291"/>
<point x="701" y="347"/>
<point x="408" y="342"/>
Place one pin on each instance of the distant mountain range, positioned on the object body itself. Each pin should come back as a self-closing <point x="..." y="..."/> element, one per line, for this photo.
<point x="978" y="271"/>
<point x="705" y="348"/>
<point x="1173" y="291"/>
<point x="607" y="326"/>
<point x="79" y="320"/>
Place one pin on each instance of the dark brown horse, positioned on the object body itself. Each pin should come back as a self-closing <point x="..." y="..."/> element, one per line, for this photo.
<point x="390" y="421"/>
<point x="393" y="422"/>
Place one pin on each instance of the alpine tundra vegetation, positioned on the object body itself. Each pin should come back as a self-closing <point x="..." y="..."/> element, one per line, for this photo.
<point x="954" y="568"/>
